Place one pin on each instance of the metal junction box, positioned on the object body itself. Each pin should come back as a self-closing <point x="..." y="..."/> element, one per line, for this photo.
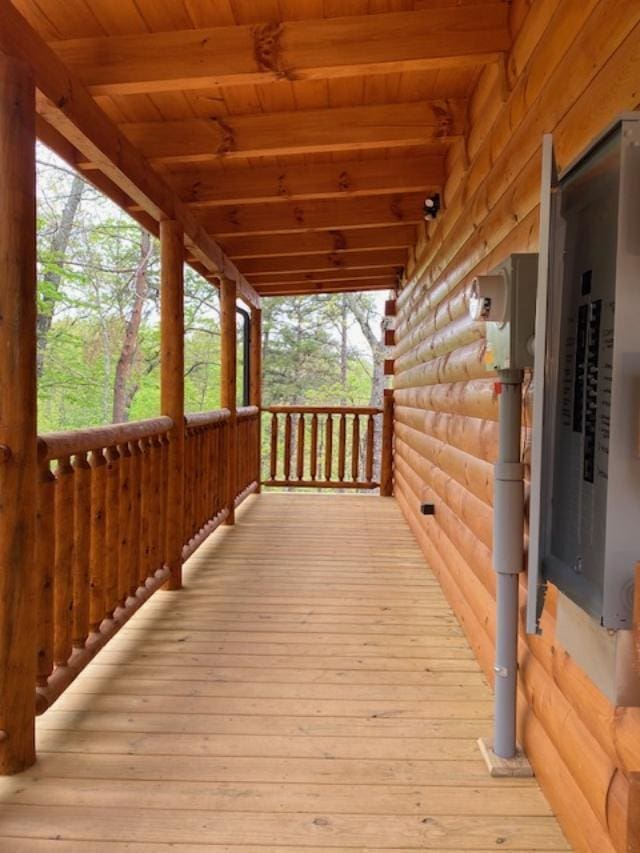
<point x="585" y="490"/>
<point x="506" y="300"/>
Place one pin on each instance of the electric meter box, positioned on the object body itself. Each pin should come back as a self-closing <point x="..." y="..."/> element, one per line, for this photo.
<point x="506" y="300"/>
<point x="585" y="485"/>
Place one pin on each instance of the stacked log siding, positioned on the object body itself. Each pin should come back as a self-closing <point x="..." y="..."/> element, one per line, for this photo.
<point x="572" y="68"/>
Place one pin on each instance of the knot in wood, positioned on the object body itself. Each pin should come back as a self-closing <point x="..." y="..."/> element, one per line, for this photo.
<point x="267" y="48"/>
<point x="339" y="241"/>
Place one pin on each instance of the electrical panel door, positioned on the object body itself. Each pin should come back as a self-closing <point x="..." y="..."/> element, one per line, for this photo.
<point x="586" y="462"/>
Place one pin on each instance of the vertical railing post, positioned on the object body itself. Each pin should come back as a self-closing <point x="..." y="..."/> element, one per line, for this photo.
<point x="172" y="388"/>
<point x="228" y="358"/>
<point x="18" y="447"/>
<point x="386" y="460"/>
<point x="255" y="386"/>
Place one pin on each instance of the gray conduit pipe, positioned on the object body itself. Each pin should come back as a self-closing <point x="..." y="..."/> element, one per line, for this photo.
<point x="508" y="530"/>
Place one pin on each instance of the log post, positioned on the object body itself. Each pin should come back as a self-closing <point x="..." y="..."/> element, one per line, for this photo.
<point x="633" y="820"/>
<point x="172" y="388"/>
<point x="255" y="386"/>
<point x="386" y="461"/>
<point x="228" y="394"/>
<point x="18" y="462"/>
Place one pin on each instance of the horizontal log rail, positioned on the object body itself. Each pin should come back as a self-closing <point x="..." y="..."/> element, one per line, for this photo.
<point x="100" y="549"/>
<point x="325" y="447"/>
<point x="205" y="475"/>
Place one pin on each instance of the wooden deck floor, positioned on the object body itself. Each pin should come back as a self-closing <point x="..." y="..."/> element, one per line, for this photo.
<point x="309" y="690"/>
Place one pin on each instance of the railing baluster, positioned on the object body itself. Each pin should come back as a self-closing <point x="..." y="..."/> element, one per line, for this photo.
<point x="273" y="466"/>
<point x="155" y="529"/>
<point x="135" y="476"/>
<point x="124" y="514"/>
<point x="342" y="447"/>
<point x="313" y="472"/>
<point x="98" y="555"/>
<point x="300" y="448"/>
<point x="145" y="532"/>
<point x="45" y="550"/>
<point x="370" y="448"/>
<point x="355" y="448"/>
<point x="63" y="580"/>
<point x="112" y="455"/>
<point x="287" y="447"/>
<point x="82" y="532"/>
<point x="328" y="450"/>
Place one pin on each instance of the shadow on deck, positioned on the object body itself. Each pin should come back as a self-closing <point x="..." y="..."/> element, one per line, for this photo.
<point x="309" y="689"/>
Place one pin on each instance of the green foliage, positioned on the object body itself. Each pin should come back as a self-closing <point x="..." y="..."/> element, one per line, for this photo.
<point x="314" y="351"/>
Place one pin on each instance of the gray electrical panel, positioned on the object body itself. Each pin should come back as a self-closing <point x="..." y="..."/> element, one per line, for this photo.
<point x="585" y="491"/>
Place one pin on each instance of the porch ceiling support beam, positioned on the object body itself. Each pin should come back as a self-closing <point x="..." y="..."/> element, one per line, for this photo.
<point x="344" y="286"/>
<point x="328" y="262"/>
<point x="289" y="50"/>
<point x="66" y="105"/>
<point x="215" y="186"/>
<point x="298" y="132"/>
<point x="390" y="273"/>
<point x="374" y="211"/>
<point x="336" y="241"/>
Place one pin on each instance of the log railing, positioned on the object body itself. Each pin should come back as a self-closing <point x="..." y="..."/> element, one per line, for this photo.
<point x="100" y="549"/>
<point x="327" y="447"/>
<point x="247" y="451"/>
<point x="205" y="475"/>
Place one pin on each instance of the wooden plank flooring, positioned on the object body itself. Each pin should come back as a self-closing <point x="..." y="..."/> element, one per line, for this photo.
<point x="309" y="690"/>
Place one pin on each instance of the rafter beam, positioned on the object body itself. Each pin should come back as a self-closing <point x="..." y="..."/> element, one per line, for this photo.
<point x="290" y="50"/>
<point x="352" y="240"/>
<point x="262" y="281"/>
<point x="343" y="286"/>
<point x="374" y="211"/>
<point x="328" y="261"/>
<point x="208" y="186"/>
<point x="64" y="104"/>
<point x="302" y="132"/>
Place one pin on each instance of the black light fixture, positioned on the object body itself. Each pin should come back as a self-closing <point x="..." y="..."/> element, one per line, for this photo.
<point x="431" y="206"/>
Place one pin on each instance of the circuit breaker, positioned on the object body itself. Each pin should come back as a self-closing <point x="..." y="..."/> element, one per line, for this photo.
<point x="506" y="300"/>
<point x="585" y="488"/>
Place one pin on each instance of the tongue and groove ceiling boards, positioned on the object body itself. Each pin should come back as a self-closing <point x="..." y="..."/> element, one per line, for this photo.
<point x="301" y="135"/>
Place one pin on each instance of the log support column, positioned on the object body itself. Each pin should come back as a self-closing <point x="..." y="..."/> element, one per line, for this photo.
<point x="172" y="388"/>
<point x="228" y="394"/>
<point x="255" y="386"/>
<point x="18" y="463"/>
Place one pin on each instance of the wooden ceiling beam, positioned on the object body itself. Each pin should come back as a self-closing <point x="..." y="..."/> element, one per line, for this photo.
<point x="328" y="261"/>
<point x="378" y="126"/>
<point x="262" y="281"/>
<point x="344" y="286"/>
<point x="303" y="243"/>
<point x="372" y="211"/>
<point x="214" y="186"/>
<point x="65" y="105"/>
<point x="289" y="50"/>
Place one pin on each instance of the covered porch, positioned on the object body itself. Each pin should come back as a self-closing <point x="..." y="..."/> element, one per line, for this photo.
<point x="308" y="689"/>
<point x="190" y="660"/>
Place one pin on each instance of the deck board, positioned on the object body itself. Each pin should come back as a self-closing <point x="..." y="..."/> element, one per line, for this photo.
<point x="308" y="690"/>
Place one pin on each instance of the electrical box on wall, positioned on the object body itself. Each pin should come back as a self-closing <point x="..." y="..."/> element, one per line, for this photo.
<point x="506" y="300"/>
<point x="585" y="483"/>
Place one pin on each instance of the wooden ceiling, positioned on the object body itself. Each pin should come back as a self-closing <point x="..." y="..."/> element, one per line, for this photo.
<point x="303" y="135"/>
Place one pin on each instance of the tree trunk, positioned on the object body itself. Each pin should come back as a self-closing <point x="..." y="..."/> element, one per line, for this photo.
<point x="344" y="307"/>
<point x="122" y="396"/>
<point x="377" y="347"/>
<point x="53" y="278"/>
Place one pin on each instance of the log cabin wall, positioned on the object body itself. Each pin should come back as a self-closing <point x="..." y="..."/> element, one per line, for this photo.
<point x="572" y="67"/>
